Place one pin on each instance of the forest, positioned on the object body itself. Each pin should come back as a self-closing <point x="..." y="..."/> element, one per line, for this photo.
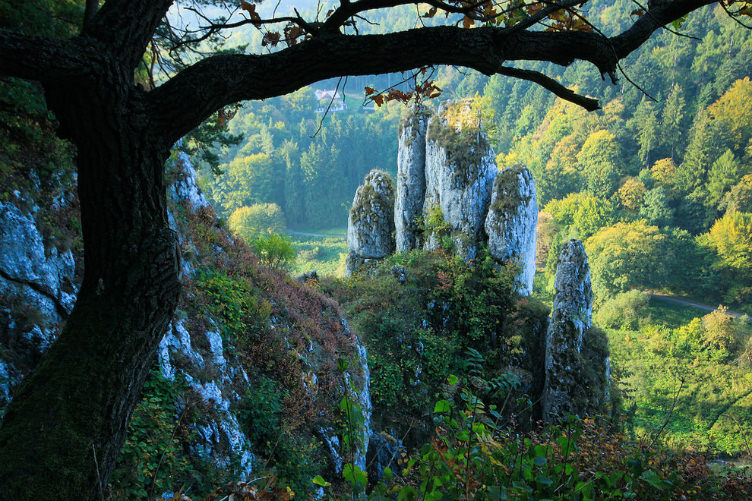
<point x="167" y="340"/>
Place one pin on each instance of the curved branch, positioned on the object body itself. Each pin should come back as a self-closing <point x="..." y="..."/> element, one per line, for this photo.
<point x="127" y="26"/>
<point x="552" y="85"/>
<point x="195" y="93"/>
<point x="625" y="43"/>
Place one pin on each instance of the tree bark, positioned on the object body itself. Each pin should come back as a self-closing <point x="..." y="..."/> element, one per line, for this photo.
<point x="67" y="422"/>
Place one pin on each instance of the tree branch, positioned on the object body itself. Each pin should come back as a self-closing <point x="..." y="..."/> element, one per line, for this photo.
<point x="90" y="12"/>
<point x="195" y="93"/>
<point x="625" y="43"/>
<point x="551" y="85"/>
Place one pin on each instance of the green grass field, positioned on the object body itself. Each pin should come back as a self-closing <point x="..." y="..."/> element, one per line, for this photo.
<point x="713" y="407"/>
<point x="326" y="255"/>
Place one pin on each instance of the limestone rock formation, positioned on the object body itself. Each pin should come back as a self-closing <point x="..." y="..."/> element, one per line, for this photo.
<point x="511" y="223"/>
<point x="37" y="292"/>
<point x="460" y="170"/>
<point x="571" y="318"/>
<point x="38" y="289"/>
<point x="411" y="177"/>
<point x="370" y="225"/>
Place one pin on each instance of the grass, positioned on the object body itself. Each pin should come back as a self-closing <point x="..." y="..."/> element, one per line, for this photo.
<point x="713" y="408"/>
<point x="323" y="254"/>
<point x="672" y="314"/>
<point x="334" y="232"/>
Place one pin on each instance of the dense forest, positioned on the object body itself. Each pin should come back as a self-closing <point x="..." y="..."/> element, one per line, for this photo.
<point x="665" y="162"/>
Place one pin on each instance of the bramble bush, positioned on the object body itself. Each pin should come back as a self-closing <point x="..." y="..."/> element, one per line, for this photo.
<point x="477" y="454"/>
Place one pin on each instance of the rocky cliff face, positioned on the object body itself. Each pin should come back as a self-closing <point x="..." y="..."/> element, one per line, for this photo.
<point x="460" y="170"/>
<point x="37" y="291"/>
<point x="370" y="226"/>
<point x="571" y="320"/>
<point x="511" y="223"/>
<point x="289" y="333"/>
<point x="411" y="177"/>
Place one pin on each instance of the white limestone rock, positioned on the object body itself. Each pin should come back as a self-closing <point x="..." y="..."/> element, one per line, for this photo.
<point x="370" y="225"/>
<point x="460" y="171"/>
<point x="185" y="186"/>
<point x="411" y="177"/>
<point x="511" y="223"/>
<point x="43" y="277"/>
<point x="570" y="320"/>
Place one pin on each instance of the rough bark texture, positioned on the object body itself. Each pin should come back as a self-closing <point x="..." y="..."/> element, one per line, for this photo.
<point x="65" y="426"/>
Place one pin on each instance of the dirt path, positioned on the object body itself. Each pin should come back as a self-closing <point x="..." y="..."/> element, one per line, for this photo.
<point x="320" y="235"/>
<point x="686" y="302"/>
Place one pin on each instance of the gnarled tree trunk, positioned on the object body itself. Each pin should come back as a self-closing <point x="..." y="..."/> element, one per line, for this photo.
<point x="67" y="422"/>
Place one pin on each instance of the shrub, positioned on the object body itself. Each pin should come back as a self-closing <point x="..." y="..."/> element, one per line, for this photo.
<point x="249" y="222"/>
<point x="623" y="311"/>
<point x="274" y="250"/>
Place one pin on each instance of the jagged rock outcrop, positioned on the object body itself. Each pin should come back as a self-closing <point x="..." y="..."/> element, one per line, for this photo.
<point x="511" y="223"/>
<point x="411" y="177"/>
<point x="370" y="226"/>
<point x="37" y="291"/>
<point x="460" y="170"/>
<point x="571" y="319"/>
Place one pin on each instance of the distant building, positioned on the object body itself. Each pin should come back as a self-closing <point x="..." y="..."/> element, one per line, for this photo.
<point x="333" y="96"/>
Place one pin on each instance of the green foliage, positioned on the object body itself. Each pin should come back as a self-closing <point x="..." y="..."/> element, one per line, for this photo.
<point x="326" y="255"/>
<point x="739" y="198"/>
<point x="416" y="332"/>
<point x="476" y="454"/>
<point x="274" y="250"/>
<point x="709" y="353"/>
<point x="289" y="457"/>
<point x="282" y="159"/>
<point x="626" y="256"/>
<point x="248" y="222"/>
<point x="153" y="459"/>
<point x="730" y="239"/>
<point x="433" y="225"/>
<point x="232" y="301"/>
<point x="624" y="310"/>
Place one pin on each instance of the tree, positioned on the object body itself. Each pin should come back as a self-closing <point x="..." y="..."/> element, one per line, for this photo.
<point x="597" y="159"/>
<point x="631" y="193"/>
<point x="739" y="198"/>
<point x="248" y="222"/>
<point x="672" y="130"/>
<point x="645" y="122"/>
<point x="626" y="256"/>
<point x="725" y="172"/>
<point x="730" y="238"/>
<point x="61" y="434"/>
<point x="734" y="112"/>
<point x="656" y="207"/>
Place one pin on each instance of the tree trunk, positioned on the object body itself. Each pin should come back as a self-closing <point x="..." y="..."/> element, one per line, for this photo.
<point x="67" y="422"/>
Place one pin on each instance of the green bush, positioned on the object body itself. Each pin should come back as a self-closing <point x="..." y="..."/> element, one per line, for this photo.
<point x="623" y="311"/>
<point x="274" y="250"/>
<point x="154" y="458"/>
<point x="249" y="222"/>
<point x="295" y="459"/>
